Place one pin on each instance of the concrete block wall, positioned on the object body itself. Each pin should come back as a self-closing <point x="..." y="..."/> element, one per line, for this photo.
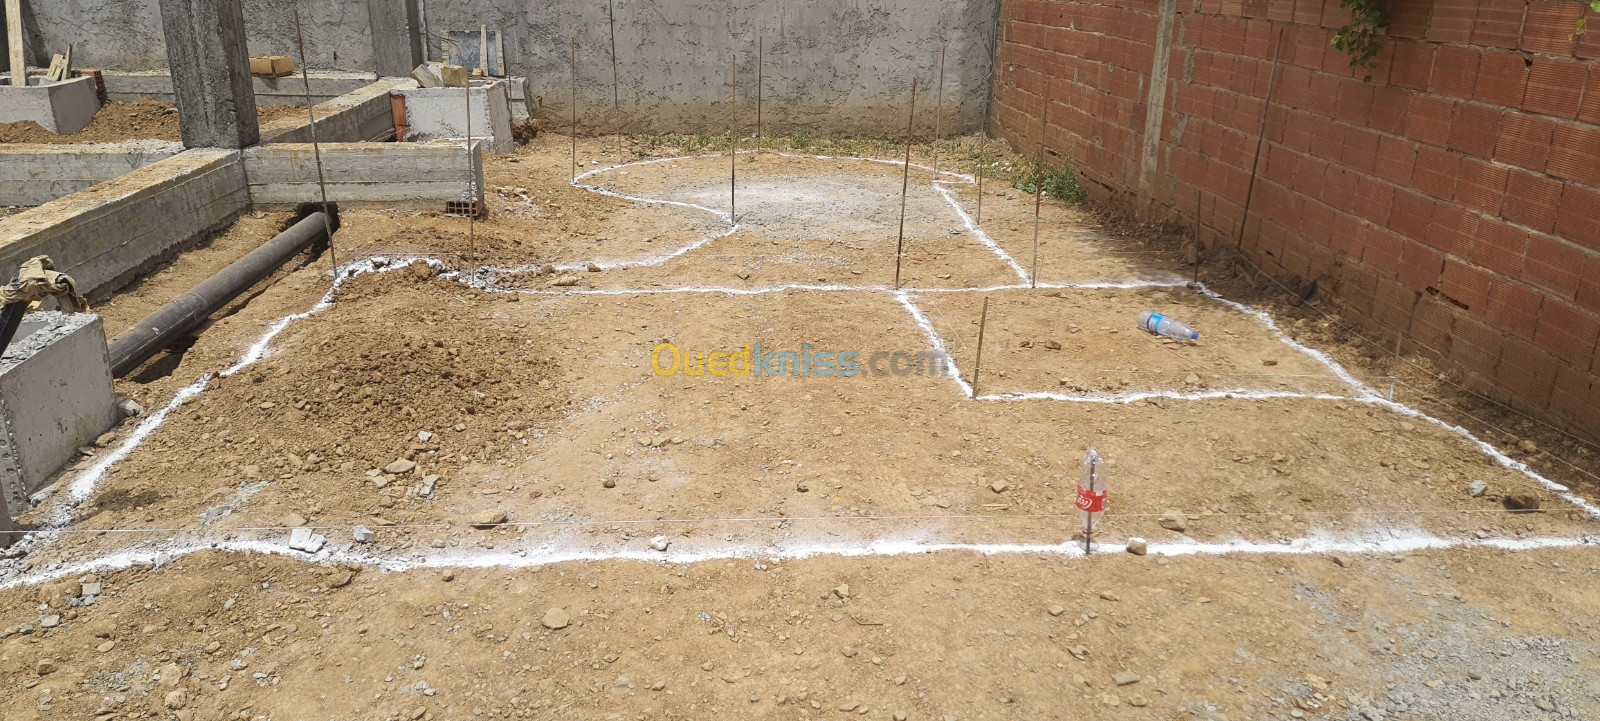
<point x="1452" y="203"/>
<point x="361" y="115"/>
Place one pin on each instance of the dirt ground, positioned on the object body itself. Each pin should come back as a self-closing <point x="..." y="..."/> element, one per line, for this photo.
<point x="116" y="122"/>
<point x="559" y="530"/>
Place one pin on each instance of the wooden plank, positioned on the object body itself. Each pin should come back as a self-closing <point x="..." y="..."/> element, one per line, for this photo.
<point x="19" y="59"/>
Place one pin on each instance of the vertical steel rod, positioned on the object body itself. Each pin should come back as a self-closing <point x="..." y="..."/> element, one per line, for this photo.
<point x="761" y="54"/>
<point x="1038" y="183"/>
<point x="938" y="113"/>
<point x="905" y="185"/>
<point x="316" y="148"/>
<point x="472" y="190"/>
<point x="1261" y="133"/>
<point x="977" y="363"/>
<point x="733" y="163"/>
<point x="574" y="110"/>
<point x="616" y="103"/>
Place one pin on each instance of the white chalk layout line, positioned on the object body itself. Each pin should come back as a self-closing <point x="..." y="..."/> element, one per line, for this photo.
<point x="1363" y="393"/>
<point x="83" y="486"/>
<point x="549" y="554"/>
<point x="937" y="185"/>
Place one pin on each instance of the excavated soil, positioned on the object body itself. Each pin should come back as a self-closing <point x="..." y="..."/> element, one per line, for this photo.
<point x="117" y="121"/>
<point x="521" y="465"/>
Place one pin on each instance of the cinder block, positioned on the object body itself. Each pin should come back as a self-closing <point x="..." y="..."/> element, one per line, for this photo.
<point x="1532" y="200"/>
<point x="1567" y="333"/>
<point x="55" y="397"/>
<point x="1579" y="217"/>
<point x="1514" y="308"/>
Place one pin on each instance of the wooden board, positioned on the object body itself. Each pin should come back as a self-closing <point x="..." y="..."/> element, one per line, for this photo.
<point x="19" y="58"/>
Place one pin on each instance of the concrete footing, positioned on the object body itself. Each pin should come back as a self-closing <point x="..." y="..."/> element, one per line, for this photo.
<point x="441" y="113"/>
<point x="62" y="108"/>
<point x="55" y="397"/>
<point x="115" y="231"/>
<point x="364" y="172"/>
<point x="37" y="174"/>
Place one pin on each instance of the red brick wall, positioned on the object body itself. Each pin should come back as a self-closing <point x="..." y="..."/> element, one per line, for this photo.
<point x="1453" y="201"/>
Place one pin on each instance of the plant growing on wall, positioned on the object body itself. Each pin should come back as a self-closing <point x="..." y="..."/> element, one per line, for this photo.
<point x="1359" y="39"/>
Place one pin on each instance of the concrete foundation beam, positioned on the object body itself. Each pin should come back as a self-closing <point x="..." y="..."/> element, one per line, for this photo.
<point x="38" y="174"/>
<point x="115" y="231"/>
<point x="55" y="397"/>
<point x="364" y="172"/>
<point x="126" y="86"/>
<point x="62" y="108"/>
<point x="362" y="115"/>
<point x="210" y="64"/>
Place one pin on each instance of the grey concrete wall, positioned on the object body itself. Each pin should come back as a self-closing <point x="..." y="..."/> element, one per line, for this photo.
<point x="55" y="396"/>
<point x="111" y="233"/>
<point x="127" y="35"/>
<point x="363" y="172"/>
<point x="38" y="174"/>
<point x="832" y="65"/>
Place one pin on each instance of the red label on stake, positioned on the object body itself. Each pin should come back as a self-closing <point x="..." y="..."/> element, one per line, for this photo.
<point x="1090" y="501"/>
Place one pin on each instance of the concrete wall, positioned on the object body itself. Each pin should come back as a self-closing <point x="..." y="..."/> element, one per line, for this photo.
<point x="1454" y="201"/>
<point x="126" y="34"/>
<point x="111" y="233"/>
<point x="55" y="397"/>
<point x="832" y="65"/>
<point x="38" y="174"/>
<point x="363" y="172"/>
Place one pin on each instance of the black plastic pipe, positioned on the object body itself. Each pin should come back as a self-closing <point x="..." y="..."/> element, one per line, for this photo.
<point x="147" y="337"/>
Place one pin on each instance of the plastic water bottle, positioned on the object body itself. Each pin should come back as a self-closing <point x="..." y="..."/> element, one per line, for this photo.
<point x="1161" y="325"/>
<point x="1091" y="494"/>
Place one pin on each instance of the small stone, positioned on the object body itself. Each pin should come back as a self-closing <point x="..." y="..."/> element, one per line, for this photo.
<point x="1056" y="610"/>
<point x="1343" y="561"/>
<point x="1138" y="701"/>
<point x="90" y="589"/>
<point x="609" y="483"/>
<point x="1125" y="678"/>
<point x="130" y="408"/>
<point x="849" y="706"/>
<point x="489" y="519"/>
<point x="1138" y="546"/>
<point x="999" y="486"/>
<point x="50" y="621"/>
<point x="400" y="466"/>
<point x="1527" y="446"/>
<point x="1173" y="521"/>
<point x="362" y="534"/>
<point x="425" y="488"/>
<point x="660" y="543"/>
<point x="556" y="619"/>
<point x="103" y="628"/>
<point x="176" y="699"/>
<point x="1477" y="489"/>
<point x="106" y="646"/>
<point x="849" y="652"/>
<point x="592" y="268"/>
<point x="842" y="590"/>
<point x="45" y="667"/>
<point x="1110" y="699"/>
<point x="424" y="436"/>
